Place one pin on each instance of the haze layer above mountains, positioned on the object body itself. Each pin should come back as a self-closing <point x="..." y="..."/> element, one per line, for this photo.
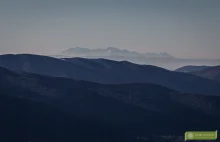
<point x="162" y="59"/>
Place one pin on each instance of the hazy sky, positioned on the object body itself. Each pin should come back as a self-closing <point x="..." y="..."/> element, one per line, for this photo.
<point x="183" y="28"/>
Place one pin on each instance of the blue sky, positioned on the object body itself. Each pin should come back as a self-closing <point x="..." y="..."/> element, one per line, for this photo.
<point x="183" y="28"/>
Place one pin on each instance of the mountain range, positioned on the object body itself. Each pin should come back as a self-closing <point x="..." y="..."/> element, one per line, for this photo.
<point x="191" y="68"/>
<point x="41" y="108"/>
<point x="162" y="59"/>
<point x="110" y="72"/>
<point x="110" y="51"/>
<point x="211" y="73"/>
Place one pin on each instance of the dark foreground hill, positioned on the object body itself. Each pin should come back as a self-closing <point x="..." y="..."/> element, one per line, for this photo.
<point x="39" y="108"/>
<point x="210" y="73"/>
<point x="110" y="72"/>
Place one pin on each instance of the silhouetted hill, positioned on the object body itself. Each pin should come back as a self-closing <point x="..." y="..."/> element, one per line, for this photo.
<point x="40" y="108"/>
<point x="187" y="69"/>
<point x="211" y="73"/>
<point x="109" y="72"/>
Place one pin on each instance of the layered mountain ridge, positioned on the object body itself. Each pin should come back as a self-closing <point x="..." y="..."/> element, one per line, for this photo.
<point x="41" y="108"/>
<point x="109" y="72"/>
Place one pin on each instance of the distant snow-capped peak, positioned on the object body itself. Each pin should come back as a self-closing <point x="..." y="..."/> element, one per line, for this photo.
<point x="110" y="51"/>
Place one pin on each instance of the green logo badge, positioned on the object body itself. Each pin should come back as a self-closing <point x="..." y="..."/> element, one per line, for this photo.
<point x="201" y="135"/>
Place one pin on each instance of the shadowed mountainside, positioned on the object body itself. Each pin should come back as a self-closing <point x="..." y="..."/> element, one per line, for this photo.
<point x="40" y="108"/>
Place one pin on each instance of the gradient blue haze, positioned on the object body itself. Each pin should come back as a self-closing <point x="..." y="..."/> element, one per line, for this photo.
<point x="183" y="28"/>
